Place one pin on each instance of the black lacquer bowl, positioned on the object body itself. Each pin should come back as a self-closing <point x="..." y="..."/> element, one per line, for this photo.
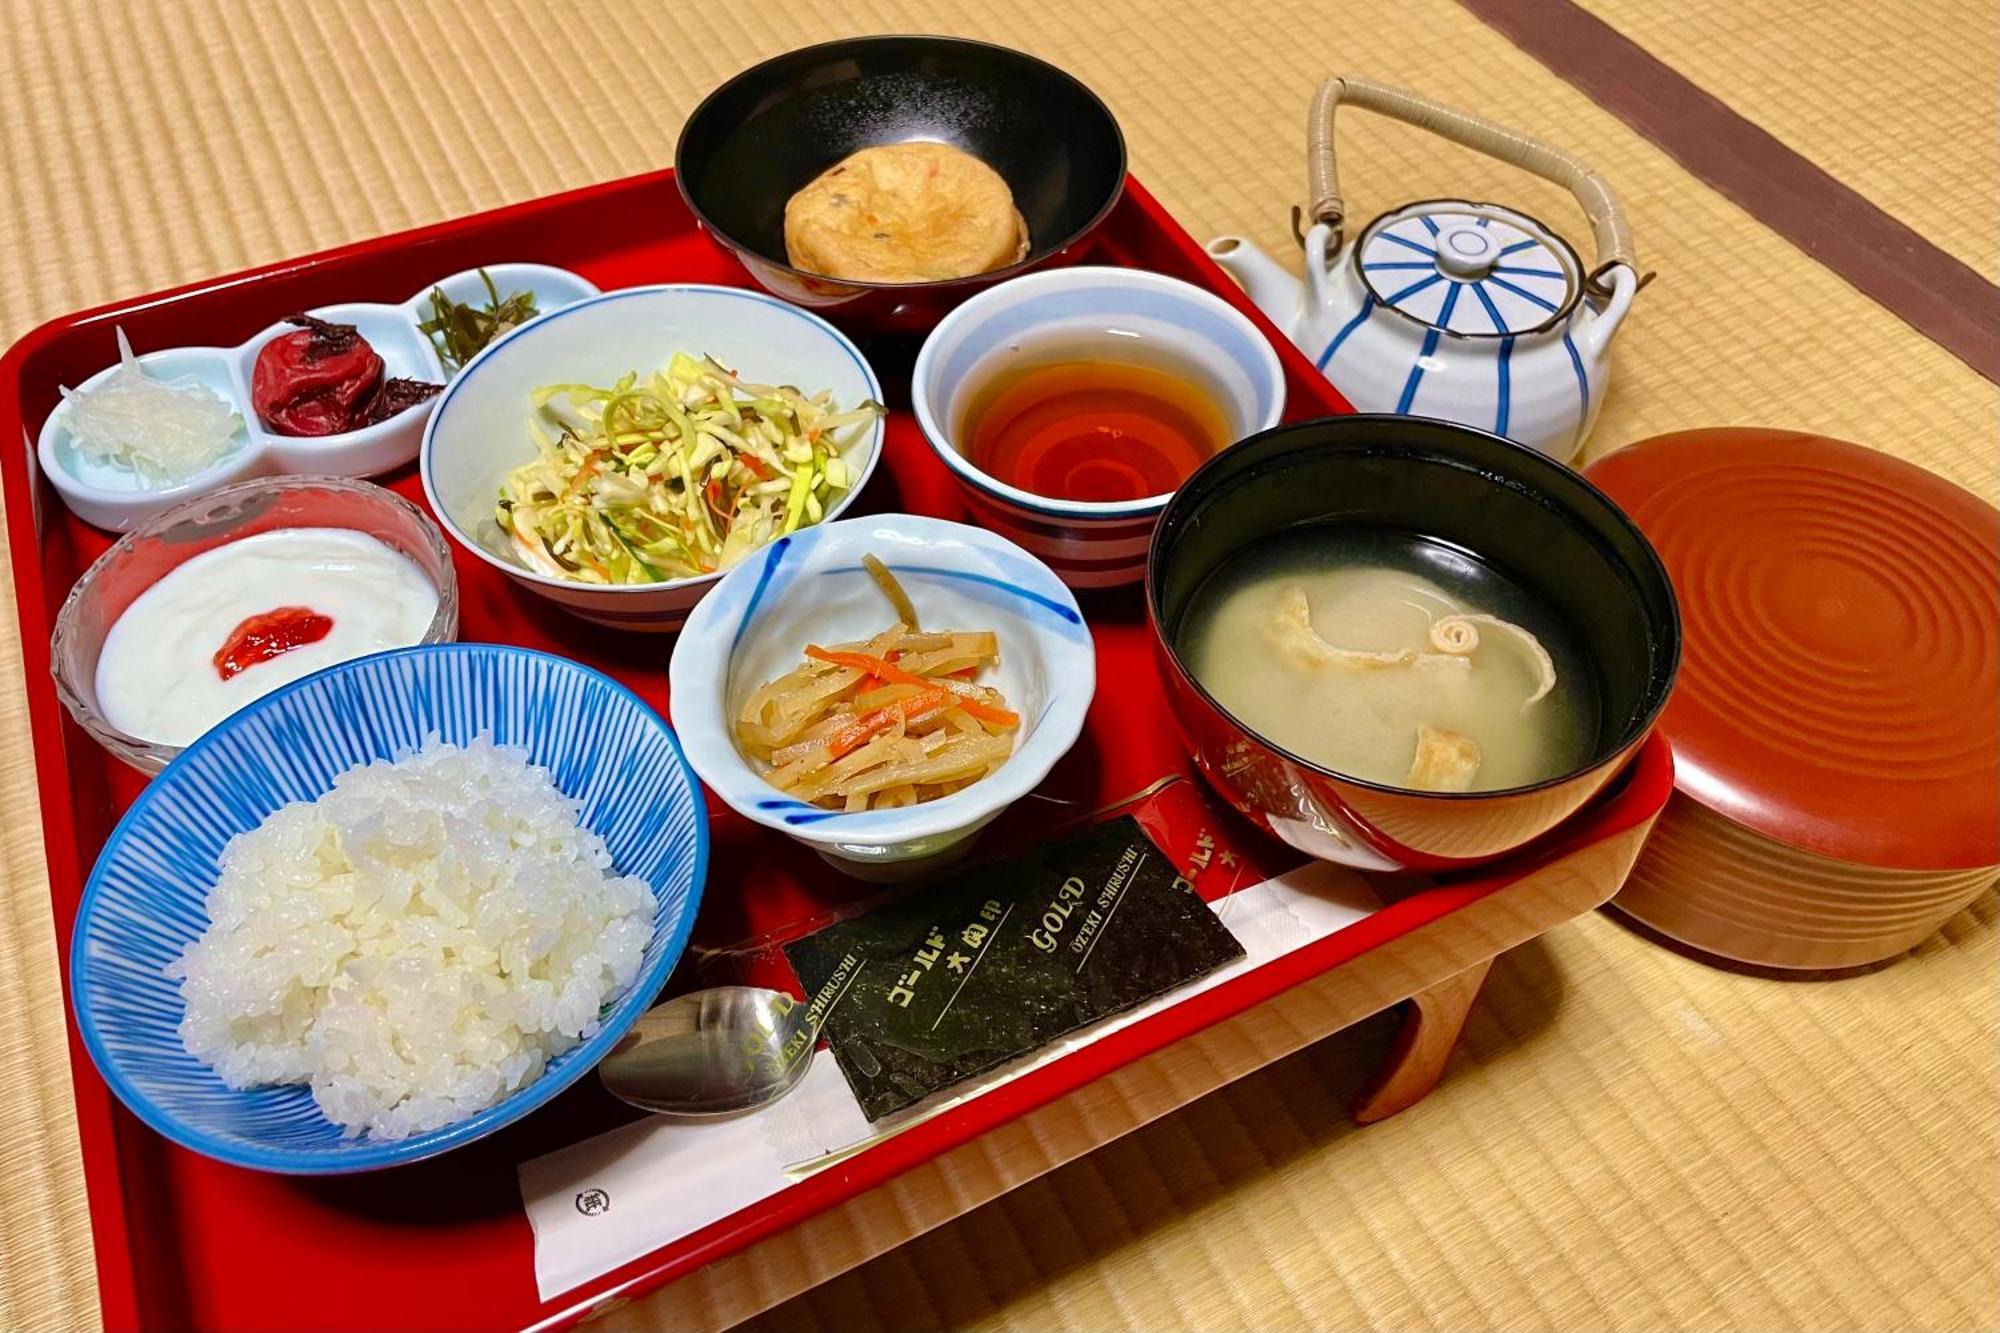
<point x="1522" y="513"/>
<point x="763" y="135"/>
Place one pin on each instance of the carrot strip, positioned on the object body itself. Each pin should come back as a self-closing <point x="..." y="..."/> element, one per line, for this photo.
<point x="863" y="662"/>
<point x="889" y="671"/>
<point x="873" y="682"/>
<point x="593" y="463"/>
<point x="985" y="712"/>
<point x="857" y="733"/>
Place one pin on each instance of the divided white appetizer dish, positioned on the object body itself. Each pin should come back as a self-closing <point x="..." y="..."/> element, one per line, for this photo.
<point x="119" y="498"/>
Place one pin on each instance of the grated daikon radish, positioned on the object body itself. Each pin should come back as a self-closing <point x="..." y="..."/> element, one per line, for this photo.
<point x="164" y="430"/>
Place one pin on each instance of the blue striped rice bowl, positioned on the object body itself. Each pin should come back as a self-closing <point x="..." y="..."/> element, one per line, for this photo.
<point x="146" y="897"/>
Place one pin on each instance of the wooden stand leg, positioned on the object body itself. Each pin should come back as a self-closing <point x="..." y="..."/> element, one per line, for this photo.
<point x="1430" y="1029"/>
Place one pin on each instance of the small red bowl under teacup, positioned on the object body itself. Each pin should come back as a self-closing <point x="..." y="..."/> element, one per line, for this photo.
<point x="1531" y="519"/>
<point x="1097" y="315"/>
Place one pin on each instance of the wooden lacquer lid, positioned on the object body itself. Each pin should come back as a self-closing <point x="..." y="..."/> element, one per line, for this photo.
<point x="1840" y="678"/>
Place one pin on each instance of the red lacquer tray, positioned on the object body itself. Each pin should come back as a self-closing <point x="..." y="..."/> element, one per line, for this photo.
<point x="183" y="1241"/>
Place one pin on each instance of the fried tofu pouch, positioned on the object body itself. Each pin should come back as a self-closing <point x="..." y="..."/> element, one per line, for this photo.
<point x="907" y="212"/>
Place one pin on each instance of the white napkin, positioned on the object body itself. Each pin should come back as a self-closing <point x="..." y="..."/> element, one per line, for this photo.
<point x="606" y="1201"/>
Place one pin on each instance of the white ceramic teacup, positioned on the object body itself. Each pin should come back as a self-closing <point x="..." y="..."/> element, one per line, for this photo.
<point x="1120" y="314"/>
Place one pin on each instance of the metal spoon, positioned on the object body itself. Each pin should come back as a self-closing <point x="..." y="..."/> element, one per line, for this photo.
<point x="713" y="1052"/>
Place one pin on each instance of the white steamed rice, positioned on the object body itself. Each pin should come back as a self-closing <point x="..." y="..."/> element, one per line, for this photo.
<point x="416" y="944"/>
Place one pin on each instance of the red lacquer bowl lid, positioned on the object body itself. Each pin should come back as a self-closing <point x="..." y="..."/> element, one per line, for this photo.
<point x="1840" y="678"/>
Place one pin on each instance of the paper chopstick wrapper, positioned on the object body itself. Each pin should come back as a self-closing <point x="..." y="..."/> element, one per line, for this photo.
<point x="602" y="1203"/>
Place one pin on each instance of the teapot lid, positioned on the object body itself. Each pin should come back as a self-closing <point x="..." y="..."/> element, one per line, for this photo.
<point x="1475" y="270"/>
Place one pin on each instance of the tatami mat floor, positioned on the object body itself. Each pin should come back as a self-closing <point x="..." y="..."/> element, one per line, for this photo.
<point x="1899" y="101"/>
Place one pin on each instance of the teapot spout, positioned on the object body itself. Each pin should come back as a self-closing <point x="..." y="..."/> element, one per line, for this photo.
<point x="1272" y="290"/>
<point x="1600" y="326"/>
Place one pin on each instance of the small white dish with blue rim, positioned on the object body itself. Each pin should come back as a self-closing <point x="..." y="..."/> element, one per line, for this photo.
<point x="479" y="432"/>
<point x="1109" y="313"/>
<point x="117" y="499"/>
<point x="146" y="899"/>
<point x="811" y="587"/>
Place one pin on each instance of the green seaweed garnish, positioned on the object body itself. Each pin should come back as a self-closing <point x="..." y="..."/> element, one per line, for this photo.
<point x="460" y="330"/>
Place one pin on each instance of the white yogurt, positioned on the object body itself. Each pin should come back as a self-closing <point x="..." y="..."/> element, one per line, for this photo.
<point x="156" y="675"/>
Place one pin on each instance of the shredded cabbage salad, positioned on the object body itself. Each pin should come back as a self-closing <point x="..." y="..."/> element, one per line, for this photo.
<point x="678" y="474"/>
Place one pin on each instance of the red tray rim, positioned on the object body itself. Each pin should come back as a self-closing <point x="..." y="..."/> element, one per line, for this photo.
<point x="1643" y="793"/>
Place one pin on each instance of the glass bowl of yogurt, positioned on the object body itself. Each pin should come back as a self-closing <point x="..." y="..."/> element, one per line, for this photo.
<point x="223" y="599"/>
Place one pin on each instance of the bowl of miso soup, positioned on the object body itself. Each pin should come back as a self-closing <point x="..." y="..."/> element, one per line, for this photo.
<point x="1406" y="644"/>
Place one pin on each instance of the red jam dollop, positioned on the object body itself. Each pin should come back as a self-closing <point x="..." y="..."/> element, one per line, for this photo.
<point x="272" y="634"/>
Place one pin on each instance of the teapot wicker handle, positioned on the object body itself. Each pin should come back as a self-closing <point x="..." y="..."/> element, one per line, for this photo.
<point x="1607" y="220"/>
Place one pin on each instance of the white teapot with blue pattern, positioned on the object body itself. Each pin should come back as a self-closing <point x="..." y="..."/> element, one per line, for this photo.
<point x="1474" y="313"/>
